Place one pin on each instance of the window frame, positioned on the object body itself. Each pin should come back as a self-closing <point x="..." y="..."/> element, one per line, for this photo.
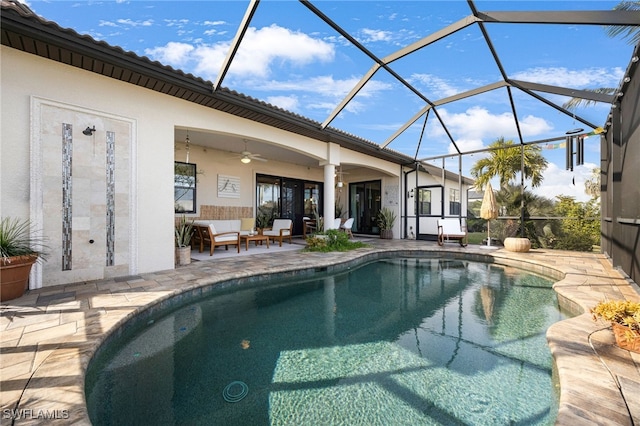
<point x="184" y="182"/>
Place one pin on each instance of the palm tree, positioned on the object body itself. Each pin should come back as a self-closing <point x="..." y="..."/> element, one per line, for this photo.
<point x="504" y="161"/>
<point x="625" y="31"/>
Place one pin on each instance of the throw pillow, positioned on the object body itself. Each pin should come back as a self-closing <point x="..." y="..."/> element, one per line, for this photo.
<point x="247" y="224"/>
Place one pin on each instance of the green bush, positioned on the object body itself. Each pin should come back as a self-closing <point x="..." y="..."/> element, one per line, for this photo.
<point x="332" y="240"/>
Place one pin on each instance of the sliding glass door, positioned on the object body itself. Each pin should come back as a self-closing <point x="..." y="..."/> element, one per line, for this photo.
<point x="280" y="197"/>
<point x="364" y="204"/>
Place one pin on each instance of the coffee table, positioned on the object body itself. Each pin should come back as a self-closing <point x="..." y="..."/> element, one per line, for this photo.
<point x="255" y="238"/>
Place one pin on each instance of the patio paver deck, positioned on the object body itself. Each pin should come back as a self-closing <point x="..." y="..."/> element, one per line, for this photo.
<point x="49" y="335"/>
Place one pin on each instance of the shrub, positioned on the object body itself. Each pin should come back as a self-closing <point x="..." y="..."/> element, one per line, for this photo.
<point x="332" y="240"/>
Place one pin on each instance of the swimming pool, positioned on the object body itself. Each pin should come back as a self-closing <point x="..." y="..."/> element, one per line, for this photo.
<point x="395" y="341"/>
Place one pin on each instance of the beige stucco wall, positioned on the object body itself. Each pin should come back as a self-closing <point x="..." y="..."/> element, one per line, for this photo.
<point x="153" y="117"/>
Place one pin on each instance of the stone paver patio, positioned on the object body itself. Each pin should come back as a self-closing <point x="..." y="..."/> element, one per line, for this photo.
<point x="48" y="336"/>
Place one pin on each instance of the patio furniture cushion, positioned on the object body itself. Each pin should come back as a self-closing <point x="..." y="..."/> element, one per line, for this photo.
<point x="224" y="225"/>
<point x="218" y="233"/>
<point x="451" y="229"/>
<point x="282" y="228"/>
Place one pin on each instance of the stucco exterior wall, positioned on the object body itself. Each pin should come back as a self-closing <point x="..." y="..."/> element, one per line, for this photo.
<point x="153" y="118"/>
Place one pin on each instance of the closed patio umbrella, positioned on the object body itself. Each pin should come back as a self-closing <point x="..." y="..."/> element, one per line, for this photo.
<point x="489" y="209"/>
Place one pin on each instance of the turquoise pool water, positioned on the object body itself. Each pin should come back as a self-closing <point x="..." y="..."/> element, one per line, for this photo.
<point x="392" y="342"/>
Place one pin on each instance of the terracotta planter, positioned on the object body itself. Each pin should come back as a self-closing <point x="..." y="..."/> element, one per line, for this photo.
<point x="183" y="255"/>
<point x="386" y="234"/>
<point x="520" y="245"/>
<point x="625" y="338"/>
<point x="14" y="276"/>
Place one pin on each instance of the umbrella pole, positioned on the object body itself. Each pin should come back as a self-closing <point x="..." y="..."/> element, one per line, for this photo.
<point x="489" y="233"/>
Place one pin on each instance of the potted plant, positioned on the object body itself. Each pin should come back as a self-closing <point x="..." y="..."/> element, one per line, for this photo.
<point x="624" y="316"/>
<point x="19" y="250"/>
<point x="265" y="217"/>
<point x="183" y="233"/>
<point x="386" y="219"/>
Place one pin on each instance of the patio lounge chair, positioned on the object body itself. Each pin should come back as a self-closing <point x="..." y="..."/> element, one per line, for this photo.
<point x="451" y="229"/>
<point x="346" y="227"/>
<point x="281" y="229"/>
<point x="208" y="236"/>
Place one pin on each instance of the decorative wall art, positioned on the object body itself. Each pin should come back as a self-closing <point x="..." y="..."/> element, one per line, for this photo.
<point x="228" y="186"/>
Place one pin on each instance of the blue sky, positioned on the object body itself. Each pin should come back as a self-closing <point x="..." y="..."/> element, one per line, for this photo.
<point x="292" y="59"/>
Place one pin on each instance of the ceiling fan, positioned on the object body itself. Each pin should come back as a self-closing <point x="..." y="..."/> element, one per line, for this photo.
<point x="246" y="156"/>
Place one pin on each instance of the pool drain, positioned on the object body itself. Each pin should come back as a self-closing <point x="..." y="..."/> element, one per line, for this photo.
<point x="235" y="391"/>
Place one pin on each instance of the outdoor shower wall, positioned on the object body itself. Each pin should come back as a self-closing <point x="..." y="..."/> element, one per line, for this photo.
<point x="620" y="163"/>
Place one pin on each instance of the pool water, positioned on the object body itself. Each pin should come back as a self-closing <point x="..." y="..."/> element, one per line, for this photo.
<point x="393" y="342"/>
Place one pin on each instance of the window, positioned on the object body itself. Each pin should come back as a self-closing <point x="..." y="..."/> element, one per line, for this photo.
<point x="454" y="201"/>
<point x="184" y="187"/>
<point x="424" y="201"/>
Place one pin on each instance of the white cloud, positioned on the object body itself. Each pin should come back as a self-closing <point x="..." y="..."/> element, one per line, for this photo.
<point x="176" y="22"/>
<point x="176" y="54"/>
<point x="564" y="77"/>
<point x="102" y="23"/>
<point x="290" y="103"/>
<point x="478" y="123"/>
<point x="209" y="59"/>
<point x="438" y="87"/>
<point x="325" y="85"/>
<point x="131" y="23"/>
<point x="558" y="181"/>
<point x="368" y="35"/>
<point x="259" y="50"/>
<point x="466" y="145"/>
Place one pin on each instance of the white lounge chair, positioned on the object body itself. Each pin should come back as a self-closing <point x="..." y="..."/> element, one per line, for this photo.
<point x="209" y="236"/>
<point x="451" y="229"/>
<point x="281" y="229"/>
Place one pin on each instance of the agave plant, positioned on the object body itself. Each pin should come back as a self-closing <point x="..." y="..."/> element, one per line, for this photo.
<point x="183" y="232"/>
<point x="16" y="239"/>
<point x="386" y="219"/>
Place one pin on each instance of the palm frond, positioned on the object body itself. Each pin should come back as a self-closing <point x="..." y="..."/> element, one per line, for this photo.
<point x="630" y="32"/>
<point x="573" y="103"/>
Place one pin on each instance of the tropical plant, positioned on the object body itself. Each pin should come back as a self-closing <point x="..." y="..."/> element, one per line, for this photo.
<point x="623" y="312"/>
<point x="183" y="232"/>
<point x="630" y="32"/>
<point x="16" y="239"/>
<point x="386" y="219"/>
<point x="581" y="227"/>
<point x="332" y="240"/>
<point x="266" y="215"/>
<point x="504" y="161"/>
